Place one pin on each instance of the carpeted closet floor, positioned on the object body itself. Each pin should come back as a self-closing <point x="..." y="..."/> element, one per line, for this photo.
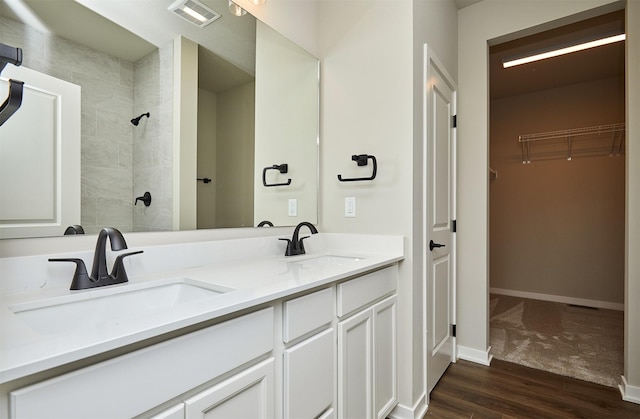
<point x="578" y="342"/>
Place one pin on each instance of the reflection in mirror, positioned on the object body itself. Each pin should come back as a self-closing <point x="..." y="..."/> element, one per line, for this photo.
<point x="133" y="75"/>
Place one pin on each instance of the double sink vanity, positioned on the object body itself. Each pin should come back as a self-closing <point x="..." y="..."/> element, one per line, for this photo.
<point x="228" y="327"/>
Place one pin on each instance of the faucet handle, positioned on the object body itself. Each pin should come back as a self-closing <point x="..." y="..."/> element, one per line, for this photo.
<point x="289" y="251"/>
<point x="301" y="244"/>
<point x="118" y="274"/>
<point x="81" y="279"/>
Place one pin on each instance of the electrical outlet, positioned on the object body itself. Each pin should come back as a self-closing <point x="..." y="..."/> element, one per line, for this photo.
<point x="350" y="207"/>
<point x="292" y="209"/>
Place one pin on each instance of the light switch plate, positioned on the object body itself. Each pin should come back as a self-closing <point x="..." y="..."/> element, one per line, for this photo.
<point x="292" y="209"/>
<point x="350" y="206"/>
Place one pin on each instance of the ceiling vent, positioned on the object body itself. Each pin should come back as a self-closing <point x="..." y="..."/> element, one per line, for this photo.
<point x="194" y="12"/>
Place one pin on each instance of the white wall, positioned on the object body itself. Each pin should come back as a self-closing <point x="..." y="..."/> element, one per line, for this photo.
<point x="371" y="104"/>
<point x="286" y="130"/>
<point x="478" y="25"/>
<point x="295" y="19"/>
<point x="207" y="153"/>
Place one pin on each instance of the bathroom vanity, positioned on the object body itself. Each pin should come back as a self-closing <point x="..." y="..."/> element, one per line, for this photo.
<point x="204" y="327"/>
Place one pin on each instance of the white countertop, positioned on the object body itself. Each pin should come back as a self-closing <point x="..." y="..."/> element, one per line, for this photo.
<point x="260" y="278"/>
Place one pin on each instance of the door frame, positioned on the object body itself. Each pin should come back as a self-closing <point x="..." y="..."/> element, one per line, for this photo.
<point x="476" y="27"/>
<point x="429" y="57"/>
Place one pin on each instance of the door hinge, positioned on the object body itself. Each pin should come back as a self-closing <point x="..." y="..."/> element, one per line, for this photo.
<point x="454" y="121"/>
<point x="454" y="226"/>
<point x="453" y="330"/>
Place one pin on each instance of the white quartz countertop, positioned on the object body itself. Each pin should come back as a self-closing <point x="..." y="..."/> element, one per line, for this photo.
<point x="25" y="349"/>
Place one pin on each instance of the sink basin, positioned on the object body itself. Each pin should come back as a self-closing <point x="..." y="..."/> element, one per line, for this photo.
<point x="112" y="306"/>
<point x="326" y="261"/>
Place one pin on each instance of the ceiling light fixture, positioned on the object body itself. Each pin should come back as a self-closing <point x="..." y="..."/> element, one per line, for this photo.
<point x="194" y="12"/>
<point x="235" y="9"/>
<point x="514" y="61"/>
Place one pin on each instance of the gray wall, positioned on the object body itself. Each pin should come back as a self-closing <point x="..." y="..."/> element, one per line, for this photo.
<point x="557" y="226"/>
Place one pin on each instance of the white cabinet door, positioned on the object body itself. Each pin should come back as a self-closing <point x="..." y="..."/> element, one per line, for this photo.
<point x="249" y="394"/>
<point x="385" y="356"/>
<point x="367" y="362"/>
<point x="355" y="366"/>
<point x="309" y="376"/>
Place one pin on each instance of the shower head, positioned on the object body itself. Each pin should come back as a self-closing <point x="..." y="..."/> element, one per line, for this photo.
<point x="136" y="121"/>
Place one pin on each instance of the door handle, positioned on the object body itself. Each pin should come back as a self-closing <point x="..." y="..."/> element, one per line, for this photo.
<point x="432" y="245"/>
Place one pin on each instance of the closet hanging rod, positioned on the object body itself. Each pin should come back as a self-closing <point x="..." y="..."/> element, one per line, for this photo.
<point x="599" y="129"/>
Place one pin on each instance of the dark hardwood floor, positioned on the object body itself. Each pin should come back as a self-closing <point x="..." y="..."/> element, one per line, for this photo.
<point x="506" y="390"/>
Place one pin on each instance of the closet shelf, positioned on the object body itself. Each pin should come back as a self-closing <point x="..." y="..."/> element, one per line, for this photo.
<point x="601" y="140"/>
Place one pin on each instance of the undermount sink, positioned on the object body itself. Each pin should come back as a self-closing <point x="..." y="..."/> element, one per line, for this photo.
<point x="326" y="261"/>
<point x="111" y="306"/>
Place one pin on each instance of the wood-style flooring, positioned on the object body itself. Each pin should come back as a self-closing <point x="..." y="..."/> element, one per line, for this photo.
<point x="506" y="390"/>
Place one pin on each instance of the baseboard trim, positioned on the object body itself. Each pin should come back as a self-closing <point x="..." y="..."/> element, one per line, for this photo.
<point x="559" y="299"/>
<point x="418" y="410"/>
<point x="629" y="393"/>
<point x="475" y="355"/>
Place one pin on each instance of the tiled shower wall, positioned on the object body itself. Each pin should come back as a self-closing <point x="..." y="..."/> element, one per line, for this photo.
<point x="108" y="104"/>
<point x="153" y="140"/>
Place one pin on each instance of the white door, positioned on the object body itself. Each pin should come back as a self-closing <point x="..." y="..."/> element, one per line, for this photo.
<point x="439" y="209"/>
<point x="206" y="160"/>
<point x="40" y="157"/>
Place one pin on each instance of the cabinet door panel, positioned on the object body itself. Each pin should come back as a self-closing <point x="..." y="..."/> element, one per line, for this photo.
<point x="385" y="355"/>
<point x="355" y="365"/>
<point x="248" y="394"/>
<point x="309" y="376"/>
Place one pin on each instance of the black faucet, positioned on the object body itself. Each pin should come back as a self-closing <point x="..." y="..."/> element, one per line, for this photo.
<point x="99" y="269"/>
<point x="295" y="246"/>
<point x="99" y="275"/>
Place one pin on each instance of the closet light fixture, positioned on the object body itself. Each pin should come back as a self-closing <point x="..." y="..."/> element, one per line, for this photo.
<point x="514" y="61"/>
<point x="194" y="12"/>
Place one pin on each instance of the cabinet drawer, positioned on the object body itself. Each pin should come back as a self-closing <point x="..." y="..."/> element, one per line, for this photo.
<point x="362" y="291"/>
<point x="307" y="313"/>
<point x="148" y="377"/>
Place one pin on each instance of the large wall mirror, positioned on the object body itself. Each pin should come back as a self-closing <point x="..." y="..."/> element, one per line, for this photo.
<point x="232" y="106"/>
